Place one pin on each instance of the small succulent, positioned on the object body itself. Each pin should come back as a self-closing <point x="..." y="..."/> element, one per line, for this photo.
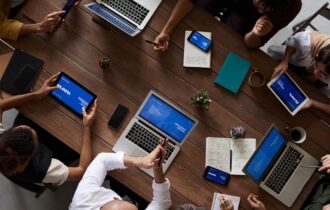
<point x="104" y="62"/>
<point x="237" y="132"/>
<point x="202" y="100"/>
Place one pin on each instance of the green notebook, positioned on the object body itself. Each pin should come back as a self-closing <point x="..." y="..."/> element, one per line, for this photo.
<point x="233" y="72"/>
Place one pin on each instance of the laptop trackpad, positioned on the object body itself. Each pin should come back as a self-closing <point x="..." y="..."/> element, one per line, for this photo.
<point x="139" y="153"/>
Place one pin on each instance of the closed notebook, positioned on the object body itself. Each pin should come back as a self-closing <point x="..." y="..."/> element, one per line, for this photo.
<point x="233" y="72"/>
<point x="21" y="73"/>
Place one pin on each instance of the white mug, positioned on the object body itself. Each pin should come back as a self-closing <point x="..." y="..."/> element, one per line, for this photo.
<point x="297" y="135"/>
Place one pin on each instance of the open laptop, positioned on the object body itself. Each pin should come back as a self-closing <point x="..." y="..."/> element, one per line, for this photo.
<point x="130" y="16"/>
<point x="277" y="166"/>
<point x="156" y="119"/>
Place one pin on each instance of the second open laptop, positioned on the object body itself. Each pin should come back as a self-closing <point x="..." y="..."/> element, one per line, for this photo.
<point x="130" y="16"/>
<point x="156" y="119"/>
<point x="277" y="166"/>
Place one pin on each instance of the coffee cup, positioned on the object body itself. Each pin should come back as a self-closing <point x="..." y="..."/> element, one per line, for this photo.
<point x="256" y="79"/>
<point x="297" y="135"/>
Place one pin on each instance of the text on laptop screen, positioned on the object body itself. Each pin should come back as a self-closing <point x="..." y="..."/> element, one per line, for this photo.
<point x="288" y="92"/>
<point x="263" y="157"/>
<point x="166" y="118"/>
<point x="72" y="94"/>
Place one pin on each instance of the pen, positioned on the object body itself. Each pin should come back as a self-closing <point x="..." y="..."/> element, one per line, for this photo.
<point x="306" y="166"/>
<point x="150" y="42"/>
<point x="160" y="155"/>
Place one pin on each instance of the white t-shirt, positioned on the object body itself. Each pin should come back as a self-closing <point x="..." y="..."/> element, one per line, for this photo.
<point x="90" y="195"/>
<point x="57" y="172"/>
<point x="15" y="3"/>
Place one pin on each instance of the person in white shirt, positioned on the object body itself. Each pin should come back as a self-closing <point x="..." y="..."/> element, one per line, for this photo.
<point x="90" y="195"/>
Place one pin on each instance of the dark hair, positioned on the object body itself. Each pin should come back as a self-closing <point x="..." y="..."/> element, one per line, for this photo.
<point x="16" y="146"/>
<point x="275" y="4"/>
<point x="324" y="57"/>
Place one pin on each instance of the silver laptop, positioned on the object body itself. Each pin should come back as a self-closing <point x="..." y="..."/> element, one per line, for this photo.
<point x="277" y="166"/>
<point x="130" y="16"/>
<point x="156" y="119"/>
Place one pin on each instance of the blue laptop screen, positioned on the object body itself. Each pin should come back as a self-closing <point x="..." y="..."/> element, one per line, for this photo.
<point x="263" y="157"/>
<point x="166" y="118"/>
<point x="288" y="92"/>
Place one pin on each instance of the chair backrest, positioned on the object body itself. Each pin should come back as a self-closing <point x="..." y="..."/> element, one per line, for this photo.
<point x="323" y="11"/>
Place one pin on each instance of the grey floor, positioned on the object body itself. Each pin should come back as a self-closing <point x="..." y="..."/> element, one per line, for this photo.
<point x="15" y="198"/>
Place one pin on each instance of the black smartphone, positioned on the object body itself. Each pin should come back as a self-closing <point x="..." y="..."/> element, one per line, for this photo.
<point x="216" y="175"/>
<point x="67" y="7"/>
<point x="117" y="116"/>
<point x="200" y="41"/>
<point x="22" y="81"/>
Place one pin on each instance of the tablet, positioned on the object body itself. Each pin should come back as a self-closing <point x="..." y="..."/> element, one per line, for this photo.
<point x="288" y="93"/>
<point x="72" y="94"/>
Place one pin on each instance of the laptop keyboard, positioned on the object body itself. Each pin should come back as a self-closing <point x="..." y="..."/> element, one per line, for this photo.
<point x="129" y="8"/>
<point x="283" y="171"/>
<point x="111" y="18"/>
<point x="146" y="140"/>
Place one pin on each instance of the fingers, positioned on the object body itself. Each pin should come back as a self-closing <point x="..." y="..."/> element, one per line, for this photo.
<point x="84" y="111"/>
<point x="325" y="157"/>
<point x="55" y="14"/>
<point x="93" y="108"/>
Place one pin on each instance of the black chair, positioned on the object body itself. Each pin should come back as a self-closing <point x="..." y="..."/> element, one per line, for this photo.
<point x="324" y="11"/>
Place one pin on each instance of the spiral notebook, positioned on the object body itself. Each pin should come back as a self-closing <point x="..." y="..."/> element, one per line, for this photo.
<point x="216" y="201"/>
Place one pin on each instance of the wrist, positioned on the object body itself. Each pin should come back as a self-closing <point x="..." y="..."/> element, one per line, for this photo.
<point x="37" y="27"/>
<point x="159" y="175"/>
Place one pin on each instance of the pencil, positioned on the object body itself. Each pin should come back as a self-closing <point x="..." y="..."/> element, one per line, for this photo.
<point x="150" y="42"/>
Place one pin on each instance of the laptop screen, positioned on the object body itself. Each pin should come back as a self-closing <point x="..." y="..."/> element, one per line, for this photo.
<point x="288" y="92"/>
<point x="263" y="157"/>
<point x="166" y="118"/>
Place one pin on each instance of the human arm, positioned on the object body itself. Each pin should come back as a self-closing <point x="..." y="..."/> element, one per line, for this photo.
<point x="325" y="160"/>
<point x="181" y="9"/>
<point x="47" y="25"/>
<point x="263" y="26"/>
<point x="255" y="203"/>
<point x="14" y="101"/>
<point x="317" y="105"/>
<point x="86" y="153"/>
<point x="283" y="66"/>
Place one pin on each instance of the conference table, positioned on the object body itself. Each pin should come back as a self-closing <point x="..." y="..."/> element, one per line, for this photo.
<point x="135" y="68"/>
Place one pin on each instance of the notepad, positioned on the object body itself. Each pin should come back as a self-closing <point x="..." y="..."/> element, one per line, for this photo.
<point x="229" y="155"/>
<point x="193" y="56"/>
<point x="233" y="72"/>
<point x="216" y="202"/>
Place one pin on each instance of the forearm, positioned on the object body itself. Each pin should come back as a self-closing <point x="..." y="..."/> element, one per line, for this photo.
<point x="181" y="9"/>
<point x="321" y="106"/>
<point x="14" y="101"/>
<point x="252" y="40"/>
<point x="159" y="175"/>
<point x="130" y="161"/>
<point x="30" y="28"/>
<point x="86" y="153"/>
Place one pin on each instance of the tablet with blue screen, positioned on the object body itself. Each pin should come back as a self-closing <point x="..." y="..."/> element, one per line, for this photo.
<point x="72" y="94"/>
<point x="288" y="93"/>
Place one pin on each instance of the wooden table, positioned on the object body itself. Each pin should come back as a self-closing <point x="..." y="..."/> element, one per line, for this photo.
<point x="76" y="46"/>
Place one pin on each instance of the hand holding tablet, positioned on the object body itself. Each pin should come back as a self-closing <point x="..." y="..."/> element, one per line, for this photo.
<point x="72" y="95"/>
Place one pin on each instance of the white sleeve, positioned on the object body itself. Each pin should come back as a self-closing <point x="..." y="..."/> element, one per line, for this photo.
<point x="102" y="163"/>
<point x="57" y="173"/>
<point x="161" y="196"/>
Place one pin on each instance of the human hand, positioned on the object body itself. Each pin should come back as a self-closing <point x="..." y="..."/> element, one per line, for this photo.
<point x="162" y="41"/>
<point x="153" y="158"/>
<point x="263" y="26"/>
<point x="309" y="104"/>
<point x="325" y="160"/>
<point x="255" y="202"/>
<point x="88" y="118"/>
<point x="50" y="21"/>
<point x="47" y="86"/>
<point x="280" y="69"/>
<point x="226" y="203"/>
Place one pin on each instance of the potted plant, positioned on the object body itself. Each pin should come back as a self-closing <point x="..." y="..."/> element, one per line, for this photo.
<point x="202" y="100"/>
<point x="104" y="62"/>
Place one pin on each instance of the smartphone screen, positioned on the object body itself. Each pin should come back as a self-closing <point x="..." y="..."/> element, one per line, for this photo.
<point x="200" y="41"/>
<point x="118" y="116"/>
<point x="22" y="80"/>
<point x="216" y="175"/>
<point x="68" y="7"/>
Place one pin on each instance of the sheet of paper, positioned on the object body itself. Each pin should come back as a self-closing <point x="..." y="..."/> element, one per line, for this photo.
<point x="242" y="149"/>
<point x="194" y="57"/>
<point x="218" y="153"/>
<point x="216" y="201"/>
